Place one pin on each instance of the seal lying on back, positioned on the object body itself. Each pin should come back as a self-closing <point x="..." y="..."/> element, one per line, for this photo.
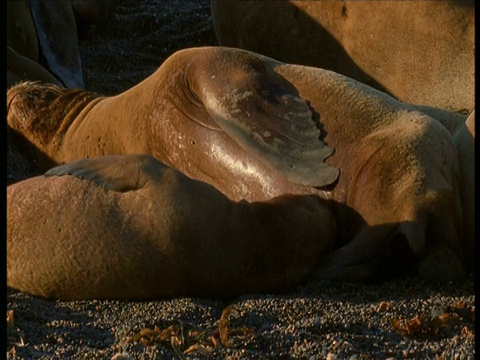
<point x="256" y="128"/>
<point x="129" y="227"/>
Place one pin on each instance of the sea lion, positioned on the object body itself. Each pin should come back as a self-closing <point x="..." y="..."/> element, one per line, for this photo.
<point x="464" y="140"/>
<point x="129" y="227"/>
<point x="395" y="46"/>
<point x="42" y="38"/>
<point x="21" y="68"/>
<point x="256" y="128"/>
<point x="21" y="33"/>
<point x="44" y="32"/>
<point x="22" y="47"/>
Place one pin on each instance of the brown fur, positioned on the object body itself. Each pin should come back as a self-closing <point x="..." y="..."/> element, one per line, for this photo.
<point x="422" y="52"/>
<point x="399" y="169"/>
<point x="142" y="230"/>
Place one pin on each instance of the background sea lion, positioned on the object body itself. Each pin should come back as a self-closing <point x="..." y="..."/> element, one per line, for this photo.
<point x="58" y="40"/>
<point x="23" y="53"/>
<point x="20" y="68"/>
<point x="464" y="140"/>
<point x="129" y="227"/>
<point x="205" y="112"/>
<point x="395" y="46"/>
<point x="42" y="38"/>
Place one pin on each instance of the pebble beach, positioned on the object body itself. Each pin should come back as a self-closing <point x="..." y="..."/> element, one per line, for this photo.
<point x="404" y="319"/>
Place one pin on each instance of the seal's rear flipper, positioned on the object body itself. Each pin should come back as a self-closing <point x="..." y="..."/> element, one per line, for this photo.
<point x="264" y="114"/>
<point x="120" y="173"/>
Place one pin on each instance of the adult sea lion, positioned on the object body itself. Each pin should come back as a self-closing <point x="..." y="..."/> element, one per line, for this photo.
<point x="42" y="38"/>
<point x="129" y="227"/>
<point x="464" y="139"/>
<point x="58" y="40"/>
<point x="20" y="68"/>
<point x="256" y="128"/>
<point x="45" y="33"/>
<point x="23" y="53"/>
<point x="398" y="47"/>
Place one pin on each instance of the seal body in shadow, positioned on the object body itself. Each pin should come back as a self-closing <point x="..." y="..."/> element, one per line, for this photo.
<point x="464" y="139"/>
<point x="129" y="227"/>
<point x="394" y="46"/>
<point x="256" y="128"/>
<point x="42" y="38"/>
<point x="23" y="53"/>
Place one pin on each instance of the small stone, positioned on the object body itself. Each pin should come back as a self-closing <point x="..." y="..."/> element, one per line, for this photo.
<point x="122" y="356"/>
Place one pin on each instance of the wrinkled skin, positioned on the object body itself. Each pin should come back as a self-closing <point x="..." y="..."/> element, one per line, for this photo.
<point x="129" y="227"/>
<point x="398" y="47"/>
<point x="207" y="111"/>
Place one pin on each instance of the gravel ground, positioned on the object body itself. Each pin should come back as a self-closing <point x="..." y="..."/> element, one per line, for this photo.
<point x="318" y="320"/>
<point x="404" y="319"/>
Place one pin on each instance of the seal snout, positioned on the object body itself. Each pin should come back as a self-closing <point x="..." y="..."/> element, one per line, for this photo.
<point x="30" y="115"/>
<point x="14" y="100"/>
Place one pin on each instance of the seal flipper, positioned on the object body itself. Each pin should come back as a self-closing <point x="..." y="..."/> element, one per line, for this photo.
<point x="270" y="121"/>
<point x="58" y="40"/>
<point x="119" y="173"/>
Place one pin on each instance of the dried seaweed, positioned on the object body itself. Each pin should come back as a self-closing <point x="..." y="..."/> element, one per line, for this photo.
<point x="437" y="323"/>
<point x="185" y="339"/>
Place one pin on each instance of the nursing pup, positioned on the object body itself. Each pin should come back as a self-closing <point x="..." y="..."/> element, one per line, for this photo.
<point x="256" y="128"/>
<point x="129" y="227"/>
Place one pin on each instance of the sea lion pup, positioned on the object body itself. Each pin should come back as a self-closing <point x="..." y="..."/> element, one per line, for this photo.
<point x="394" y="46"/>
<point x="129" y="227"/>
<point x="256" y="128"/>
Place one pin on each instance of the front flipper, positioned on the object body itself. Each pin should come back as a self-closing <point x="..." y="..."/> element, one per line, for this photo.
<point x="265" y="116"/>
<point x="120" y="173"/>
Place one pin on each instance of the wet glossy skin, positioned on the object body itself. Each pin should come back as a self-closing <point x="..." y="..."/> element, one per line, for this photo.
<point x="398" y="167"/>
